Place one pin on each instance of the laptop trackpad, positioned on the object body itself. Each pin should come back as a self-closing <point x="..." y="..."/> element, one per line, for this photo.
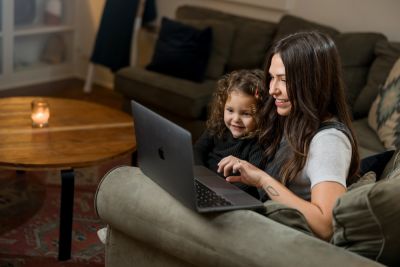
<point x="218" y="184"/>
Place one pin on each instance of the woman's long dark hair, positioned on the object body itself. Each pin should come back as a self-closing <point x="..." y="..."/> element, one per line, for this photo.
<point x="316" y="92"/>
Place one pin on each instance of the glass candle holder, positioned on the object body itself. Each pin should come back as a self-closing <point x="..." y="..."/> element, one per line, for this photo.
<point x="40" y="113"/>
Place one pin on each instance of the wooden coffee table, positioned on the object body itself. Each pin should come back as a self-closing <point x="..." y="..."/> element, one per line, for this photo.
<point x="79" y="134"/>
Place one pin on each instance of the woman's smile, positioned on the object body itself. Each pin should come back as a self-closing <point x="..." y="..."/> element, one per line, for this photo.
<point x="282" y="103"/>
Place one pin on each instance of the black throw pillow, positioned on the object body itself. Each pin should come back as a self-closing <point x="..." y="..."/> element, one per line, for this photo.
<point x="181" y="51"/>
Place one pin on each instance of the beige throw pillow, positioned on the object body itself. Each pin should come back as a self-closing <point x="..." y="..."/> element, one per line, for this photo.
<point x="384" y="115"/>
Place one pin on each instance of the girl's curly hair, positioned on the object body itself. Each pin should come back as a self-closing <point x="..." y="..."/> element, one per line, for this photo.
<point x="249" y="82"/>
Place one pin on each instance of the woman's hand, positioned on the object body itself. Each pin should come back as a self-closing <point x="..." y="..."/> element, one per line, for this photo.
<point x="247" y="173"/>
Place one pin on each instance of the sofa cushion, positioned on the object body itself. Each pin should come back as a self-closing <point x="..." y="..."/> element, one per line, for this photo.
<point x="250" y="45"/>
<point x="223" y="33"/>
<point x="252" y="37"/>
<point x="384" y="115"/>
<point x="357" y="54"/>
<point x="366" y="219"/>
<point x="287" y="216"/>
<point x="291" y="24"/>
<point x="386" y="55"/>
<point x="368" y="140"/>
<point x="367" y="178"/>
<point x="177" y="96"/>
<point x="181" y="51"/>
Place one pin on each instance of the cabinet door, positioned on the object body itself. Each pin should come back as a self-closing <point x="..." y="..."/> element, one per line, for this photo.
<point x="42" y="33"/>
<point x="42" y="50"/>
<point x="41" y="13"/>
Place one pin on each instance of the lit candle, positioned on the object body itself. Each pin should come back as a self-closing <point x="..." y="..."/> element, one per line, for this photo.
<point x="40" y="113"/>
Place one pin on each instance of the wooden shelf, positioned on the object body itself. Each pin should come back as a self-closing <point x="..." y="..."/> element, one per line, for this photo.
<point x="32" y="30"/>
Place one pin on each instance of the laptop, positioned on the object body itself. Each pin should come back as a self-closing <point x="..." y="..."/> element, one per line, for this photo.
<point x="165" y="155"/>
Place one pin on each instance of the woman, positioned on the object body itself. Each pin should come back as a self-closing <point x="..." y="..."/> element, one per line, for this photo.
<point x="308" y="163"/>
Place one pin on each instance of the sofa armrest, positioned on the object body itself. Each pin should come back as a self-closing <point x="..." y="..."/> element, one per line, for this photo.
<point x="134" y="205"/>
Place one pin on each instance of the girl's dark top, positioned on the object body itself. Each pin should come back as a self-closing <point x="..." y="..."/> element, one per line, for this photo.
<point x="209" y="150"/>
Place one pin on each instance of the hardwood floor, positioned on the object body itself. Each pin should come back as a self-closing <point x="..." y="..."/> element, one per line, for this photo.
<point x="69" y="88"/>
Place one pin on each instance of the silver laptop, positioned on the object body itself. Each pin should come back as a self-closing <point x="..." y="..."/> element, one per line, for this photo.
<point x="165" y="155"/>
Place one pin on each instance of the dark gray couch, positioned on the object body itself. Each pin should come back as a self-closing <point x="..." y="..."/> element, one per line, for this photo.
<point x="241" y="42"/>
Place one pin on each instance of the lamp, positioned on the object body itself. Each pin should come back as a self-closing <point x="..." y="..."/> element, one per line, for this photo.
<point x="40" y="113"/>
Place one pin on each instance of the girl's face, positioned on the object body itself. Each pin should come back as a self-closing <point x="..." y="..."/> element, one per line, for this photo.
<point x="239" y="113"/>
<point x="277" y="86"/>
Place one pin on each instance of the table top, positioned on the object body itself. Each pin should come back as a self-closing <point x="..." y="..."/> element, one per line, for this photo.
<point x="79" y="134"/>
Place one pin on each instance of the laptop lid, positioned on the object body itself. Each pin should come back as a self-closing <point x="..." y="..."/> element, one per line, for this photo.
<point x="157" y="140"/>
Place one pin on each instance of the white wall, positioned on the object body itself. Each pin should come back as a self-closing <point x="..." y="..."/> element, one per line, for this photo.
<point x="344" y="15"/>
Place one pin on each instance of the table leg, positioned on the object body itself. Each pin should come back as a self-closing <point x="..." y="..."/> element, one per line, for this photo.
<point x="66" y="214"/>
<point x="134" y="161"/>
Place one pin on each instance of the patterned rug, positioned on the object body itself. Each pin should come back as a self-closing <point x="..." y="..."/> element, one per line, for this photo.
<point x="29" y="218"/>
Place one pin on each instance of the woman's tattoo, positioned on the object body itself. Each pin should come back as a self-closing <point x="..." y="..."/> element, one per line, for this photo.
<point x="271" y="191"/>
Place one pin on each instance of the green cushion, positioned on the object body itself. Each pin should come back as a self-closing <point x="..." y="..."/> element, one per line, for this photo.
<point x="223" y="33"/>
<point x="368" y="178"/>
<point x="286" y="216"/>
<point x="366" y="219"/>
<point x="386" y="55"/>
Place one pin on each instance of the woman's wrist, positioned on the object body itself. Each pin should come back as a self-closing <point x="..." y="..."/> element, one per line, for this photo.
<point x="267" y="187"/>
<point x="262" y="180"/>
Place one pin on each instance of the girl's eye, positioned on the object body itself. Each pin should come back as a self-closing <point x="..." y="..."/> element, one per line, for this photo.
<point x="229" y="110"/>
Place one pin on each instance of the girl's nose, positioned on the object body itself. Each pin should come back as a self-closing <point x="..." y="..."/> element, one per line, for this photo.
<point x="236" y="117"/>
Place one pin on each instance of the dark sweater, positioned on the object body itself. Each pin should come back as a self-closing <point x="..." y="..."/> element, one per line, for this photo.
<point x="209" y="150"/>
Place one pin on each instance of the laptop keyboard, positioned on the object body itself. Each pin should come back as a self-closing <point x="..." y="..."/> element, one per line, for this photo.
<point x="208" y="198"/>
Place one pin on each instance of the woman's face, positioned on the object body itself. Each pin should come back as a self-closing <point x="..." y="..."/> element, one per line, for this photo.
<point x="277" y="86"/>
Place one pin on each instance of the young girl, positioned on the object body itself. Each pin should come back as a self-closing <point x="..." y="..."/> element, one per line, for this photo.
<point x="232" y="128"/>
<point x="309" y="164"/>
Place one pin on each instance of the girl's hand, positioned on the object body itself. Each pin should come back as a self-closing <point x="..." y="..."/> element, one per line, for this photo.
<point x="247" y="173"/>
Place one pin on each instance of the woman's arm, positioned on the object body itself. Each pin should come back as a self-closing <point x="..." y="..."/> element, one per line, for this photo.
<point x="327" y="168"/>
<point x="318" y="212"/>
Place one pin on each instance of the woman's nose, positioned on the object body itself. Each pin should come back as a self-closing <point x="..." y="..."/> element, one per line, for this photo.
<point x="273" y="89"/>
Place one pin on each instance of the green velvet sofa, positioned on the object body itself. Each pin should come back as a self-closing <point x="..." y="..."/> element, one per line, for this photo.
<point x="241" y="42"/>
<point x="148" y="227"/>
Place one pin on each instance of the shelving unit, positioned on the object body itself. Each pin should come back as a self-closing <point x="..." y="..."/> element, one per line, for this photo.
<point x="36" y="41"/>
